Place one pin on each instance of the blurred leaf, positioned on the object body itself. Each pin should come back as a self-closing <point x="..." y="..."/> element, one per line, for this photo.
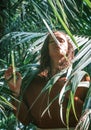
<point x="88" y="2"/>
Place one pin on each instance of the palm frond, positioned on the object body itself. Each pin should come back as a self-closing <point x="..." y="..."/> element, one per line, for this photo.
<point x="84" y="121"/>
<point x="83" y="59"/>
<point x="19" y="23"/>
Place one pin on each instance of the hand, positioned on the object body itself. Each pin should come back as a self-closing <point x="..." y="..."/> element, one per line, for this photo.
<point x="15" y="87"/>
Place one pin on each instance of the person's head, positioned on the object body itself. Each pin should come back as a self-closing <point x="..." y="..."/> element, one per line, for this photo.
<point x="56" y="51"/>
<point x="53" y="52"/>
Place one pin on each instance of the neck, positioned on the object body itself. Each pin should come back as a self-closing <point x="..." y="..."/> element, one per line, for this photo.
<point x="54" y="67"/>
<point x="57" y="66"/>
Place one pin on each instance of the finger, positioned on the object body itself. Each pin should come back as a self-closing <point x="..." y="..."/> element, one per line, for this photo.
<point x="18" y="75"/>
<point x="9" y="72"/>
<point x="88" y="78"/>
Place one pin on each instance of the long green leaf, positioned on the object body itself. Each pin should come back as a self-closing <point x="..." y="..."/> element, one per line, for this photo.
<point x="62" y="22"/>
<point x="67" y="112"/>
<point x="88" y="2"/>
<point x="62" y="11"/>
<point x="5" y="101"/>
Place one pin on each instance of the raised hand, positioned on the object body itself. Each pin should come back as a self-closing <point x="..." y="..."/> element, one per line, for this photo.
<point x="15" y="87"/>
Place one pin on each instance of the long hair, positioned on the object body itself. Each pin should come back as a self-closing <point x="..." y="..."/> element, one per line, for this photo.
<point x="45" y="57"/>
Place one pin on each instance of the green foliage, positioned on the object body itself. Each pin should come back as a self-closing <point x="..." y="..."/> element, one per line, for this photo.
<point x="23" y="31"/>
<point x="11" y="123"/>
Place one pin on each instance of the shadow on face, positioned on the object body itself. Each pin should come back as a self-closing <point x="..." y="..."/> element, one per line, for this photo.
<point x="58" y="50"/>
<point x="53" y="52"/>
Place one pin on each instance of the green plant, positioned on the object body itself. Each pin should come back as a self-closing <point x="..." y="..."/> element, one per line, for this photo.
<point x="24" y="31"/>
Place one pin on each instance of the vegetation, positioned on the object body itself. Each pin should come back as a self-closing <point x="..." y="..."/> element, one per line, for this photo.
<point x="23" y="27"/>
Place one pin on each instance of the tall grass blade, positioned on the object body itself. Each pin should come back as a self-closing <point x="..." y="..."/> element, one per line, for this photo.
<point x="62" y="22"/>
<point x="14" y="69"/>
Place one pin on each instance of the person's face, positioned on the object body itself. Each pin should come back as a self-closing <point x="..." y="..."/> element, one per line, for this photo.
<point x="55" y="51"/>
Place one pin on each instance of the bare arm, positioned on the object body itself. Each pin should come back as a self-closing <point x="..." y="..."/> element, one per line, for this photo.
<point x="21" y="111"/>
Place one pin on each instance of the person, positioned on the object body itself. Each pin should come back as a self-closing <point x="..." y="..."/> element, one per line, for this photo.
<point x="52" y="61"/>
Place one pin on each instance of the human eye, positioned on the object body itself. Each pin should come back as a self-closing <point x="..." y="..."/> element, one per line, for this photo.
<point x="61" y="40"/>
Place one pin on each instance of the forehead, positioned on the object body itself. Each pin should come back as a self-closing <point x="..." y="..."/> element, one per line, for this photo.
<point x="59" y="35"/>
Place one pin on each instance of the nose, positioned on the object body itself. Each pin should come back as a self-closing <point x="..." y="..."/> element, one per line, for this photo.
<point x="63" y="49"/>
